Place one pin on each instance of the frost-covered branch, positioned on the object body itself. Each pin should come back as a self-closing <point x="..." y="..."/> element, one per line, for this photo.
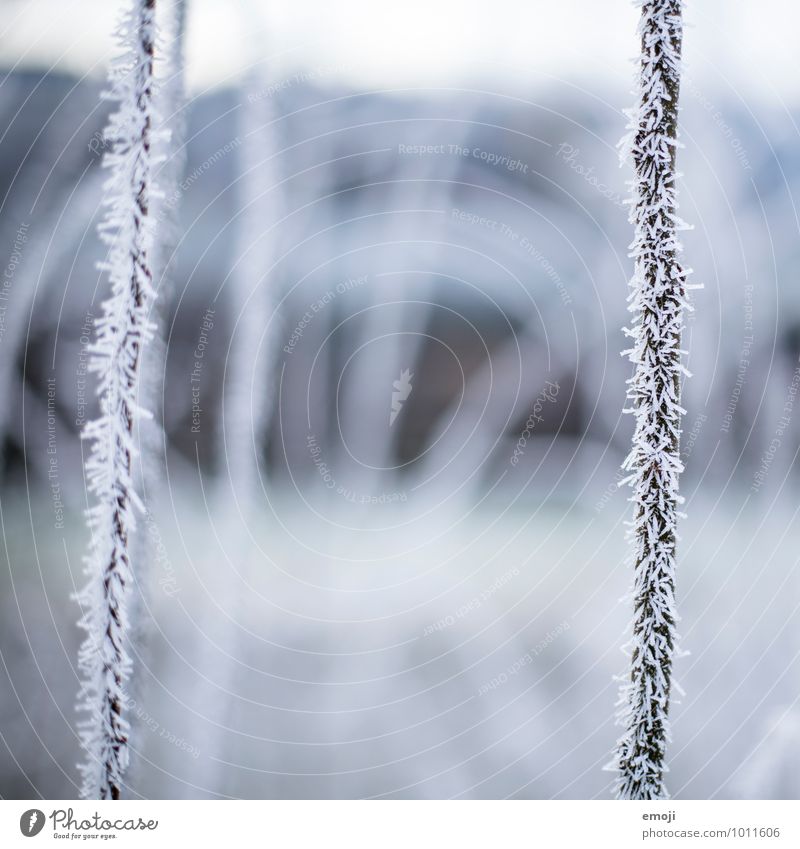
<point x="657" y="301"/>
<point x="121" y="332"/>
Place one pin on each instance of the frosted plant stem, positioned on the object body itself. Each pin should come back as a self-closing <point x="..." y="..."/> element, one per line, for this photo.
<point x="657" y="301"/>
<point x="121" y="331"/>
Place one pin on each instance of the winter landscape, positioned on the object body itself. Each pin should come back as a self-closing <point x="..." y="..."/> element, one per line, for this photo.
<point x="314" y="478"/>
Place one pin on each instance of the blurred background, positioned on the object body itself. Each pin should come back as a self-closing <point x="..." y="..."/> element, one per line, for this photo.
<point x="383" y="550"/>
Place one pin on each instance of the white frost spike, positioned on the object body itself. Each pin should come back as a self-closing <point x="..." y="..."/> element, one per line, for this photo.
<point x="121" y="331"/>
<point x="657" y="300"/>
<point x="402" y="389"/>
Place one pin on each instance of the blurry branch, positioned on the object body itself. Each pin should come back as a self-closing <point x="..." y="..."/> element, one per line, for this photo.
<point x="250" y="368"/>
<point x="249" y="391"/>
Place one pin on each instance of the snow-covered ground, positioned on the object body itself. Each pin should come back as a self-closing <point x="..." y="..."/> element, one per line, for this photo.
<point x="376" y="653"/>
